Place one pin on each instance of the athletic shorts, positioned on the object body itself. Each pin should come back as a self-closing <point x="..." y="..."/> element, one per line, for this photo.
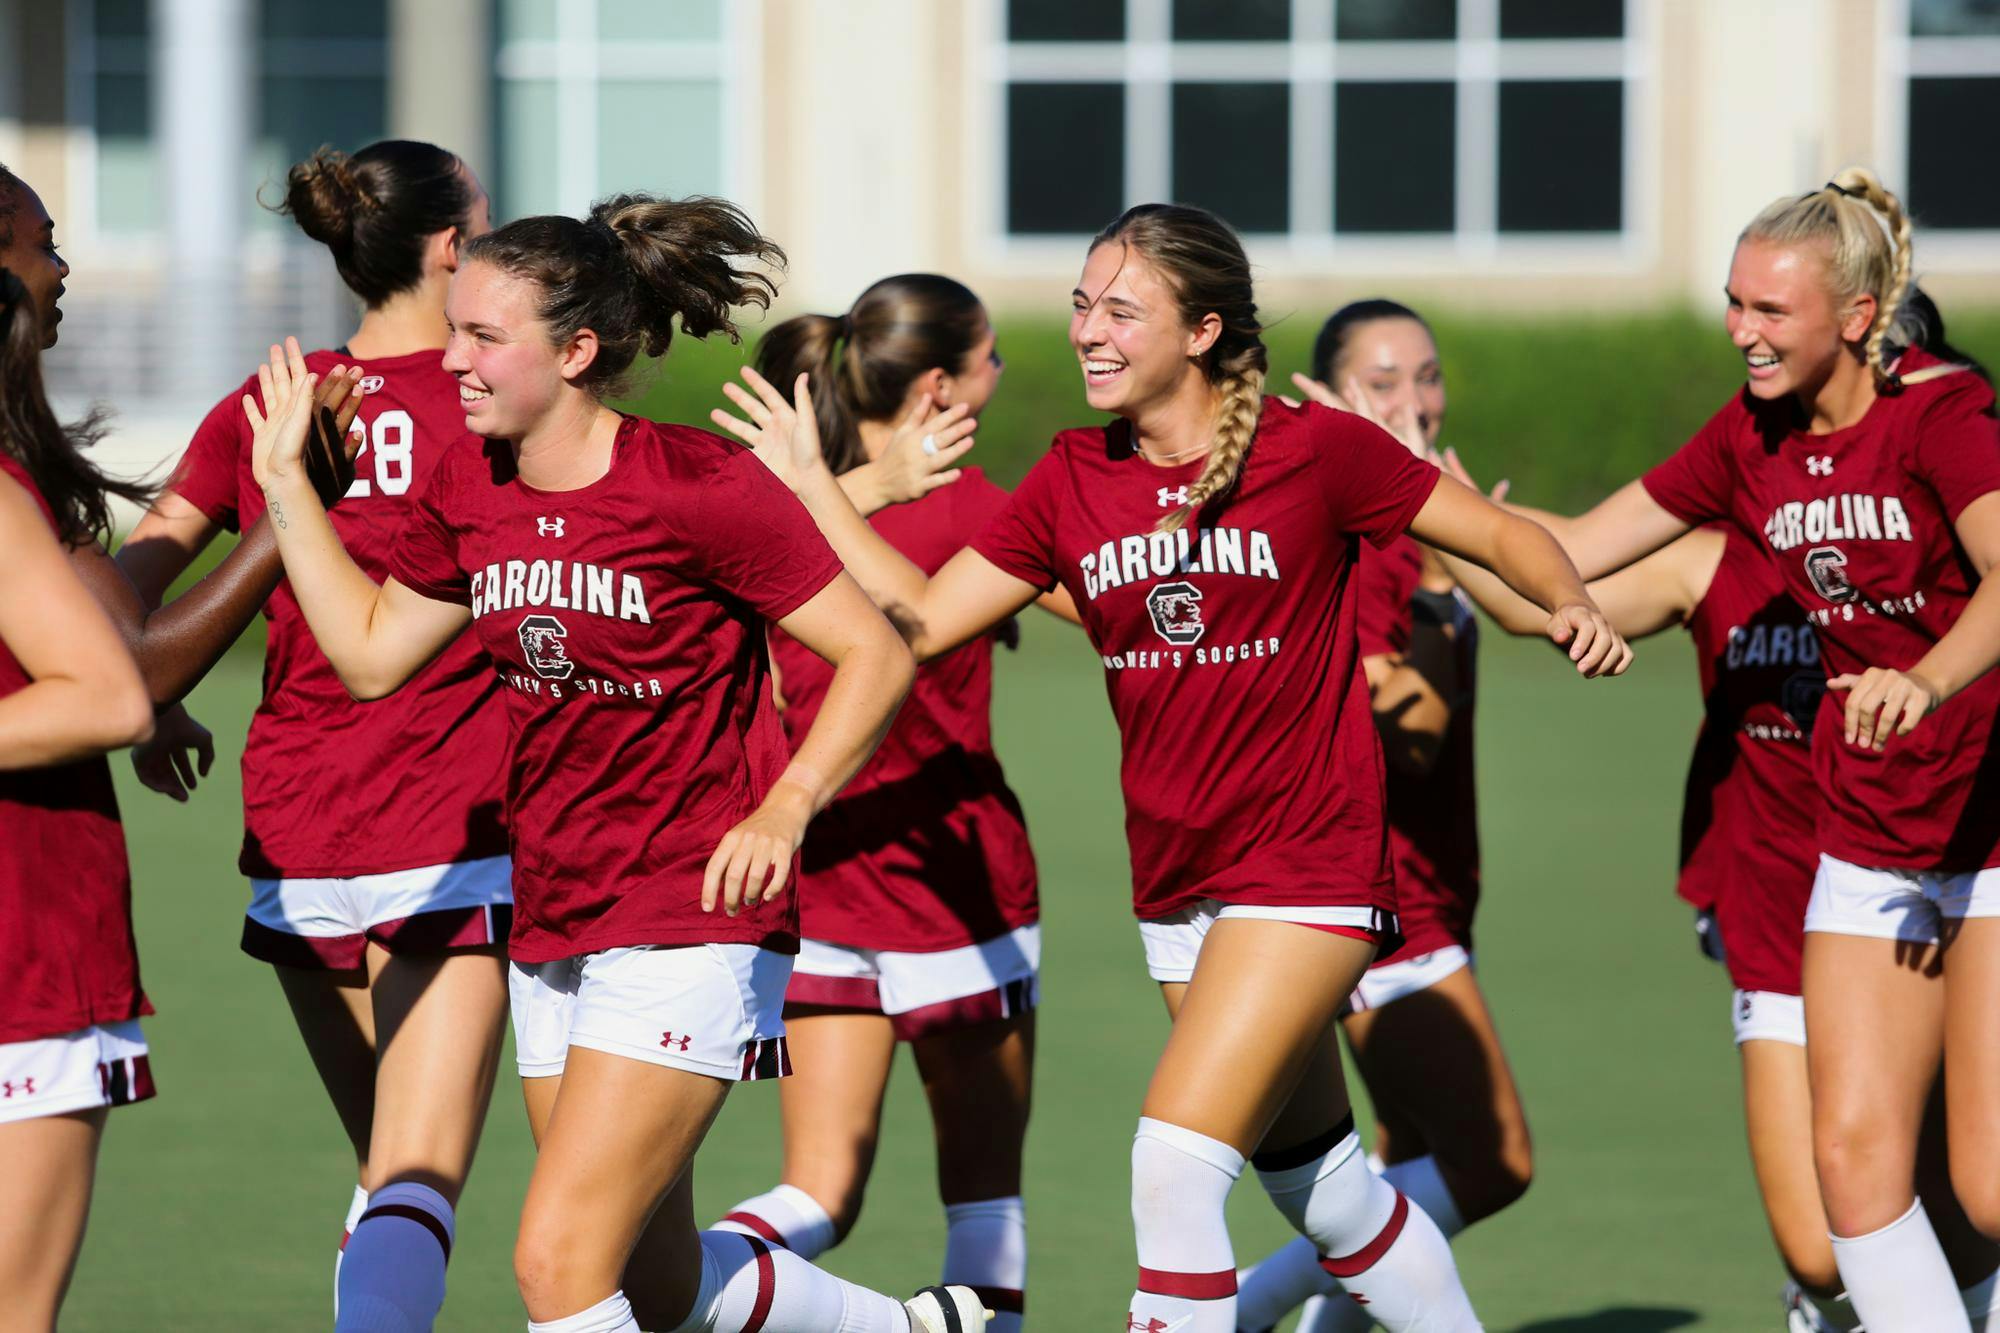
<point x="1387" y="983"/>
<point x="105" y="1065"/>
<point x="1173" y="942"/>
<point x="1907" y="905"/>
<point x="1768" y="1015"/>
<point x="923" y="993"/>
<point x="329" y="923"/>
<point x="714" y="1009"/>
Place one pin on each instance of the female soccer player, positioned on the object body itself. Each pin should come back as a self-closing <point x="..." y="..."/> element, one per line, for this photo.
<point x="917" y="893"/>
<point x="1874" y="486"/>
<point x="373" y="834"/>
<point x="621" y="574"/>
<point x="1252" y="771"/>
<point x="1449" y="1122"/>
<point x="70" y="1042"/>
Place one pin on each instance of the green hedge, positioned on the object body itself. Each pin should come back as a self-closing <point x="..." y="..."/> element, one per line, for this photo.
<point x="1567" y="407"/>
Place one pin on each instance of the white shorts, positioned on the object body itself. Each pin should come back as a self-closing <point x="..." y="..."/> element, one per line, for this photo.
<point x="1405" y="977"/>
<point x="1174" y="942"/>
<point x="329" y="923"/>
<point x="714" y="1009"/>
<point x="1768" y="1015"/>
<point x="106" y="1065"/>
<point x="1908" y="905"/>
<point x="924" y="993"/>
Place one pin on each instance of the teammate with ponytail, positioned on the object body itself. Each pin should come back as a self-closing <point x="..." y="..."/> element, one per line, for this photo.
<point x="1207" y="536"/>
<point x="1872" y="483"/>
<point x="621" y="575"/>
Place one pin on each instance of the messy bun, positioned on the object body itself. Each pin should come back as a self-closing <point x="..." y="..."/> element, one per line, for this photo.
<point x="633" y="268"/>
<point x="376" y="210"/>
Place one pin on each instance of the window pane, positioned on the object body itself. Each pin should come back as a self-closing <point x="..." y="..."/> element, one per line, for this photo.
<point x="1065" y="156"/>
<point x="664" y="137"/>
<point x="1393" y="156"/>
<point x="527" y="178"/>
<point x="1954" y="18"/>
<point x="1233" y="20"/>
<point x="1232" y="151"/>
<point x="297" y="115"/>
<point x="526" y="21"/>
<point x="127" y="170"/>
<point x="1562" y="18"/>
<point x="659" y="20"/>
<point x="120" y="18"/>
<point x="1395" y="20"/>
<point x="362" y="19"/>
<point x="1953" y="141"/>
<point x="1066" y="21"/>
<point x="1562" y="156"/>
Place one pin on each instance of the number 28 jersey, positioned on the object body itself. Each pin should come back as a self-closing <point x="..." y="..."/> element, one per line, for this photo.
<point x="332" y="787"/>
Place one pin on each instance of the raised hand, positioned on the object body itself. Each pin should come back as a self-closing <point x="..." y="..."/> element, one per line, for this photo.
<point x="923" y="453"/>
<point x="1884" y="702"/>
<point x="279" y="424"/>
<point x="785" y="435"/>
<point x="1596" y="648"/>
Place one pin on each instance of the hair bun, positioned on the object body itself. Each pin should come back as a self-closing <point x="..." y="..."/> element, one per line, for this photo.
<point x="325" y="195"/>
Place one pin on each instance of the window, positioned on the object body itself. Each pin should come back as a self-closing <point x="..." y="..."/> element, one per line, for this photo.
<point x="1463" y="123"/>
<point x="1941" y="68"/>
<point x="597" y="96"/>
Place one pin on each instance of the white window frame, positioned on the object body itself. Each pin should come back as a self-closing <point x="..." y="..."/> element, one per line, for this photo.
<point x="576" y="62"/>
<point x="1148" y="63"/>
<point x="1900" y="58"/>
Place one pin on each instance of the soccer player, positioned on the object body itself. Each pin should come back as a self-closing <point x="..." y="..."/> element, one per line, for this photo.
<point x="1874" y="487"/>
<point x="1252" y="770"/>
<point x="373" y="838"/>
<point x="1451" y="1132"/>
<point x="917" y="891"/>
<point x="621" y="574"/>
<point x="70" y="1041"/>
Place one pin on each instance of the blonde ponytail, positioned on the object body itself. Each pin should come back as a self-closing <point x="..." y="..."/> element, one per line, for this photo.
<point x="1237" y="410"/>
<point x="1858" y="182"/>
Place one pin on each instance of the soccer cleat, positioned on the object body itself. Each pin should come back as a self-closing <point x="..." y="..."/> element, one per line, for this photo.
<point x="946" y="1310"/>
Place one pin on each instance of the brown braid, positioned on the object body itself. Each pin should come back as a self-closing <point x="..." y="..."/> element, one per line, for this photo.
<point x="1240" y="404"/>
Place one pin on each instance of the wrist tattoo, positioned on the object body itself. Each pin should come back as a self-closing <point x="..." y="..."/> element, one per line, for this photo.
<point x="278" y="514"/>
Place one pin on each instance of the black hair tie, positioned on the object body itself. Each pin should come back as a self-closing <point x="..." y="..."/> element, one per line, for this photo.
<point x="1838" y="188"/>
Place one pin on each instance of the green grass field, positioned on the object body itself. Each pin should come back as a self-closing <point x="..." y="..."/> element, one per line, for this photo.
<point x="219" y="1203"/>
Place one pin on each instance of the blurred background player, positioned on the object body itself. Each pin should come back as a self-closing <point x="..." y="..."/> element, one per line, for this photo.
<point x="1874" y="487"/>
<point x="621" y="576"/>
<point x="373" y="837"/>
<point x="1450" y="1130"/>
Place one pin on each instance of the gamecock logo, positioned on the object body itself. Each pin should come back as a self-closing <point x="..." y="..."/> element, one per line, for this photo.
<point x="1799" y="696"/>
<point x="1826" y="566"/>
<point x="1176" y="611"/>
<point x="542" y="644"/>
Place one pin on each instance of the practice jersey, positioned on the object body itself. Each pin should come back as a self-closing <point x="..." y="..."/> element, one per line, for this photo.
<point x="1748" y="846"/>
<point x="1433" y="816"/>
<point x="333" y="787"/>
<point x="1858" y="524"/>
<point x="926" y="848"/>
<point x="1251" y="768"/>
<point x="627" y="619"/>
<point x="65" y="885"/>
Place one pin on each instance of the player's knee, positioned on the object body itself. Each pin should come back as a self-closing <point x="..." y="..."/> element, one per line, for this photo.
<point x="1978" y="1194"/>
<point x="544" y="1254"/>
<point x="1496" y="1182"/>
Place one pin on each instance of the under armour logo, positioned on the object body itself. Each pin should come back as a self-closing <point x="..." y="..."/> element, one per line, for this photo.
<point x="8" y="1087"/>
<point x="1172" y="497"/>
<point x="1819" y="465"/>
<point x="549" y="527"/>
<point x="1357" y="1298"/>
<point x="1150" y="1326"/>
<point x="673" y="1043"/>
<point x="369" y="384"/>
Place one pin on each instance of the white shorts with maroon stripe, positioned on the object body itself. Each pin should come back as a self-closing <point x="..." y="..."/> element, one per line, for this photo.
<point x="924" y="993"/>
<point x="714" y="1009"/>
<point x="329" y="923"/>
<point x="1907" y="905"/>
<point x="105" y="1065"/>
<point x="1387" y="983"/>
<point x="1174" y="942"/>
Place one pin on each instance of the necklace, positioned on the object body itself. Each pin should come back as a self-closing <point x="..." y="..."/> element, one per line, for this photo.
<point x="1175" y="457"/>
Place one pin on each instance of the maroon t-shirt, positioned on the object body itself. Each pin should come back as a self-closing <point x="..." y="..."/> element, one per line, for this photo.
<point x="65" y="885"/>
<point x="1252" y="772"/>
<point x="1859" y="525"/>
<point x="926" y="848"/>
<point x="332" y="787"/>
<point x="1748" y="847"/>
<point x="627" y="619"/>
<point x="1434" y="816"/>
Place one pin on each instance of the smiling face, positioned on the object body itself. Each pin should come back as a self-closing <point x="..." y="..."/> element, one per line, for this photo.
<point x="1396" y="361"/>
<point x="509" y="376"/>
<point x="1784" y="320"/>
<point x="30" y="253"/>
<point x="1125" y="326"/>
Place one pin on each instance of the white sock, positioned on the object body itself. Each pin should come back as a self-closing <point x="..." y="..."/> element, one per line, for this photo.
<point x="1420" y="1179"/>
<point x="1829" y="1314"/>
<point x="1279" y="1283"/>
<point x="986" y="1248"/>
<point x="613" y="1314"/>
<point x="1334" y="1313"/>
<point x="786" y="1216"/>
<point x="1384" y="1251"/>
<point x="747" y="1283"/>
<point x="355" y="1207"/>
<point x="1982" y="1303"/>
<point x="1187" y="1271"/>
<point x="1898" y="1279"/>
<point x="392" y="1271"/>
